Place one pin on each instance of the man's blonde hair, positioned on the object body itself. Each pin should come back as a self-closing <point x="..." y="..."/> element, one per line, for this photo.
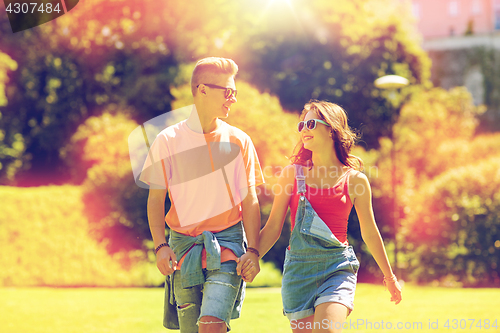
<point x="206" y="68"/>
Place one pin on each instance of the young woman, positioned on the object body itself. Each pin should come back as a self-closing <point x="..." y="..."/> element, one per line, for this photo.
<point x="320" y="187"/>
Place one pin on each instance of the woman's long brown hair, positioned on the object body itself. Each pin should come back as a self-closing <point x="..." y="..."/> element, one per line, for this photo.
<point x="343" y="137"/>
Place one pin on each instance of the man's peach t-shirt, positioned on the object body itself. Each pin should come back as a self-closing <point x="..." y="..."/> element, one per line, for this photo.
<point x="207" y="176"/>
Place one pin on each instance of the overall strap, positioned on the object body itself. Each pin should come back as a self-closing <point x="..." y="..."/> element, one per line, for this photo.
<point x="345" y="181"/>
<point x="301" y="179"/>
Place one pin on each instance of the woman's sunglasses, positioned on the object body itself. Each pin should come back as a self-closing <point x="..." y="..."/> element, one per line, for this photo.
<point x="229" y="92"/>
<point x="310" y="124"/>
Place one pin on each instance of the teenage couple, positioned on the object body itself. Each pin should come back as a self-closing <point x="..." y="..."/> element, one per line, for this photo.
<point x="210" y="170"/>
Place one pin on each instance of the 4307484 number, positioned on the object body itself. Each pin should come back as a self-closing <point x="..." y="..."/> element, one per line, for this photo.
<point x="470" y="324"/>
<point x="32" y="7"/>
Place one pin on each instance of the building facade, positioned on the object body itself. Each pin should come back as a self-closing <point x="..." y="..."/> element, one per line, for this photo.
<point x="462" y="38"/>
<point x="445" y="18"/>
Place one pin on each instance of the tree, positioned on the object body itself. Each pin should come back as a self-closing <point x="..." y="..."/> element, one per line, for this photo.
<point x="6" y="64"/>
<point x="335" y="51"/>
<point x="444" y="175"/>
<point x="71" y="69"/>
<point x="128" y="53"/>
<point x="11" y="146"/>
<point x="115" y="206"/>
<point x="454" y="226"/>
<point x="429" y="121"/>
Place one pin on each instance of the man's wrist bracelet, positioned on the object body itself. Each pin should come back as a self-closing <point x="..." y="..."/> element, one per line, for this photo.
<point x="254" y="251"/>
<point x="159" y="247"/>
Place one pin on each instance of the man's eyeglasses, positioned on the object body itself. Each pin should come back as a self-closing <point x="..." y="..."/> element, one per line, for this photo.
<point x="310" y="124"/>
<point x="229" y="92"/>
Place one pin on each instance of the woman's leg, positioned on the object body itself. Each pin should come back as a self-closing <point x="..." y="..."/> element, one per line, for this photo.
<point x="329" y="317"/>
<point x="304" y="325"/>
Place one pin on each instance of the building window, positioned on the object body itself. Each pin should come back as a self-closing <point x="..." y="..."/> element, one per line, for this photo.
<point x="453" y="8"/>
<point x="496" y="9"/>
<point x="476" y="7"/>
<point x="415" y="8"/>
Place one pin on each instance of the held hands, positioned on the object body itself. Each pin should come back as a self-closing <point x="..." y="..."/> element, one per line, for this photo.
<point x="166" y="260"/>
<point x="392" y="284"/>
<point x="248" y="266"/>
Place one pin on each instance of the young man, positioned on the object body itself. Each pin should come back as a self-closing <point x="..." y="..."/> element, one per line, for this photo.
<point x="210" y="170"/>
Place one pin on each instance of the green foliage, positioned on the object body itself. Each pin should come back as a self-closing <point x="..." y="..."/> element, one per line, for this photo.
<point x="462" y="152"/>
<point x="445" y="181"/>
<point x="45" y="240"/>
<point x="11" y="147"/>
<point x="273" y="130"/>
<point x="487" y="59"/>
<point x="116" y="206"/>
<point x="6" y="64"/>
<point x="99" y="140"/>
<point x="125" y="55"/>
<point x="430" y="119"/>
<point x="128" y="53"/>
<point x="334" y="51"/>
<point x="72" y="68"/>
<point x="455" y="225"/>
<point x="53" y="243"/>
<point x="431" y="122"/>
<point x="450" y="67"/>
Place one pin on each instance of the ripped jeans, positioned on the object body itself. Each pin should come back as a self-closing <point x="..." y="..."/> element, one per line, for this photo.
<point x="216" y="297"/>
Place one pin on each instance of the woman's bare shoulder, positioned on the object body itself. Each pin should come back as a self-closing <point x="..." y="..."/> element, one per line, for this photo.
<point x="358" y="177"/>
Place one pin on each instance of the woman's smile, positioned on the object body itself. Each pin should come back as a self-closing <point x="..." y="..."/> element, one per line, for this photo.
<point x="307" y="138"/>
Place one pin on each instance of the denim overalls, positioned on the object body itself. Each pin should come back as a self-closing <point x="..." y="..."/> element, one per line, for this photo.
<point x="318" y="268"/>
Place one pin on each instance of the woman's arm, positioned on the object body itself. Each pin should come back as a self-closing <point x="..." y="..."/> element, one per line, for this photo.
<point x="361" y="194"/>
<point x="251" y="223"/>
<point x="282" y="193"/>
<point x="272" y="230"/>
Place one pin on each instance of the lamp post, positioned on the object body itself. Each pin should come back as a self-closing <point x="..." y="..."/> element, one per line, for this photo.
<point x="392" y="83"/>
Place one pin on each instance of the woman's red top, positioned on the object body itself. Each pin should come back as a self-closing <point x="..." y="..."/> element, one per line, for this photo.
<point x="333" y="205"/>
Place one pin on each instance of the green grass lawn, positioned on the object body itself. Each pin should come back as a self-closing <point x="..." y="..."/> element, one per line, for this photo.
<point x="49" y="310"/>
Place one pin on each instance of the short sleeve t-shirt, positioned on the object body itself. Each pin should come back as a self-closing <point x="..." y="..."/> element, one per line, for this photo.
<point x="207" y="175"/>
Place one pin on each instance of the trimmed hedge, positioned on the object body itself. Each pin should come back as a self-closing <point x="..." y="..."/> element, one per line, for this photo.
<point x="45" y="240"/>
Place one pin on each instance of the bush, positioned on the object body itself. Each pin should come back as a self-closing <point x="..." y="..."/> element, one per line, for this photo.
<point x="440" y="163"/>
<point x="453" y="227"/>
<point x="45" y="241"/>
<point x="115" y="205"/>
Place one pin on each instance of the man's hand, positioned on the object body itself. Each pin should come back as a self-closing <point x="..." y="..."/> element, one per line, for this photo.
<point x="166" y="260"/>
<point x="248" y="266"/>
